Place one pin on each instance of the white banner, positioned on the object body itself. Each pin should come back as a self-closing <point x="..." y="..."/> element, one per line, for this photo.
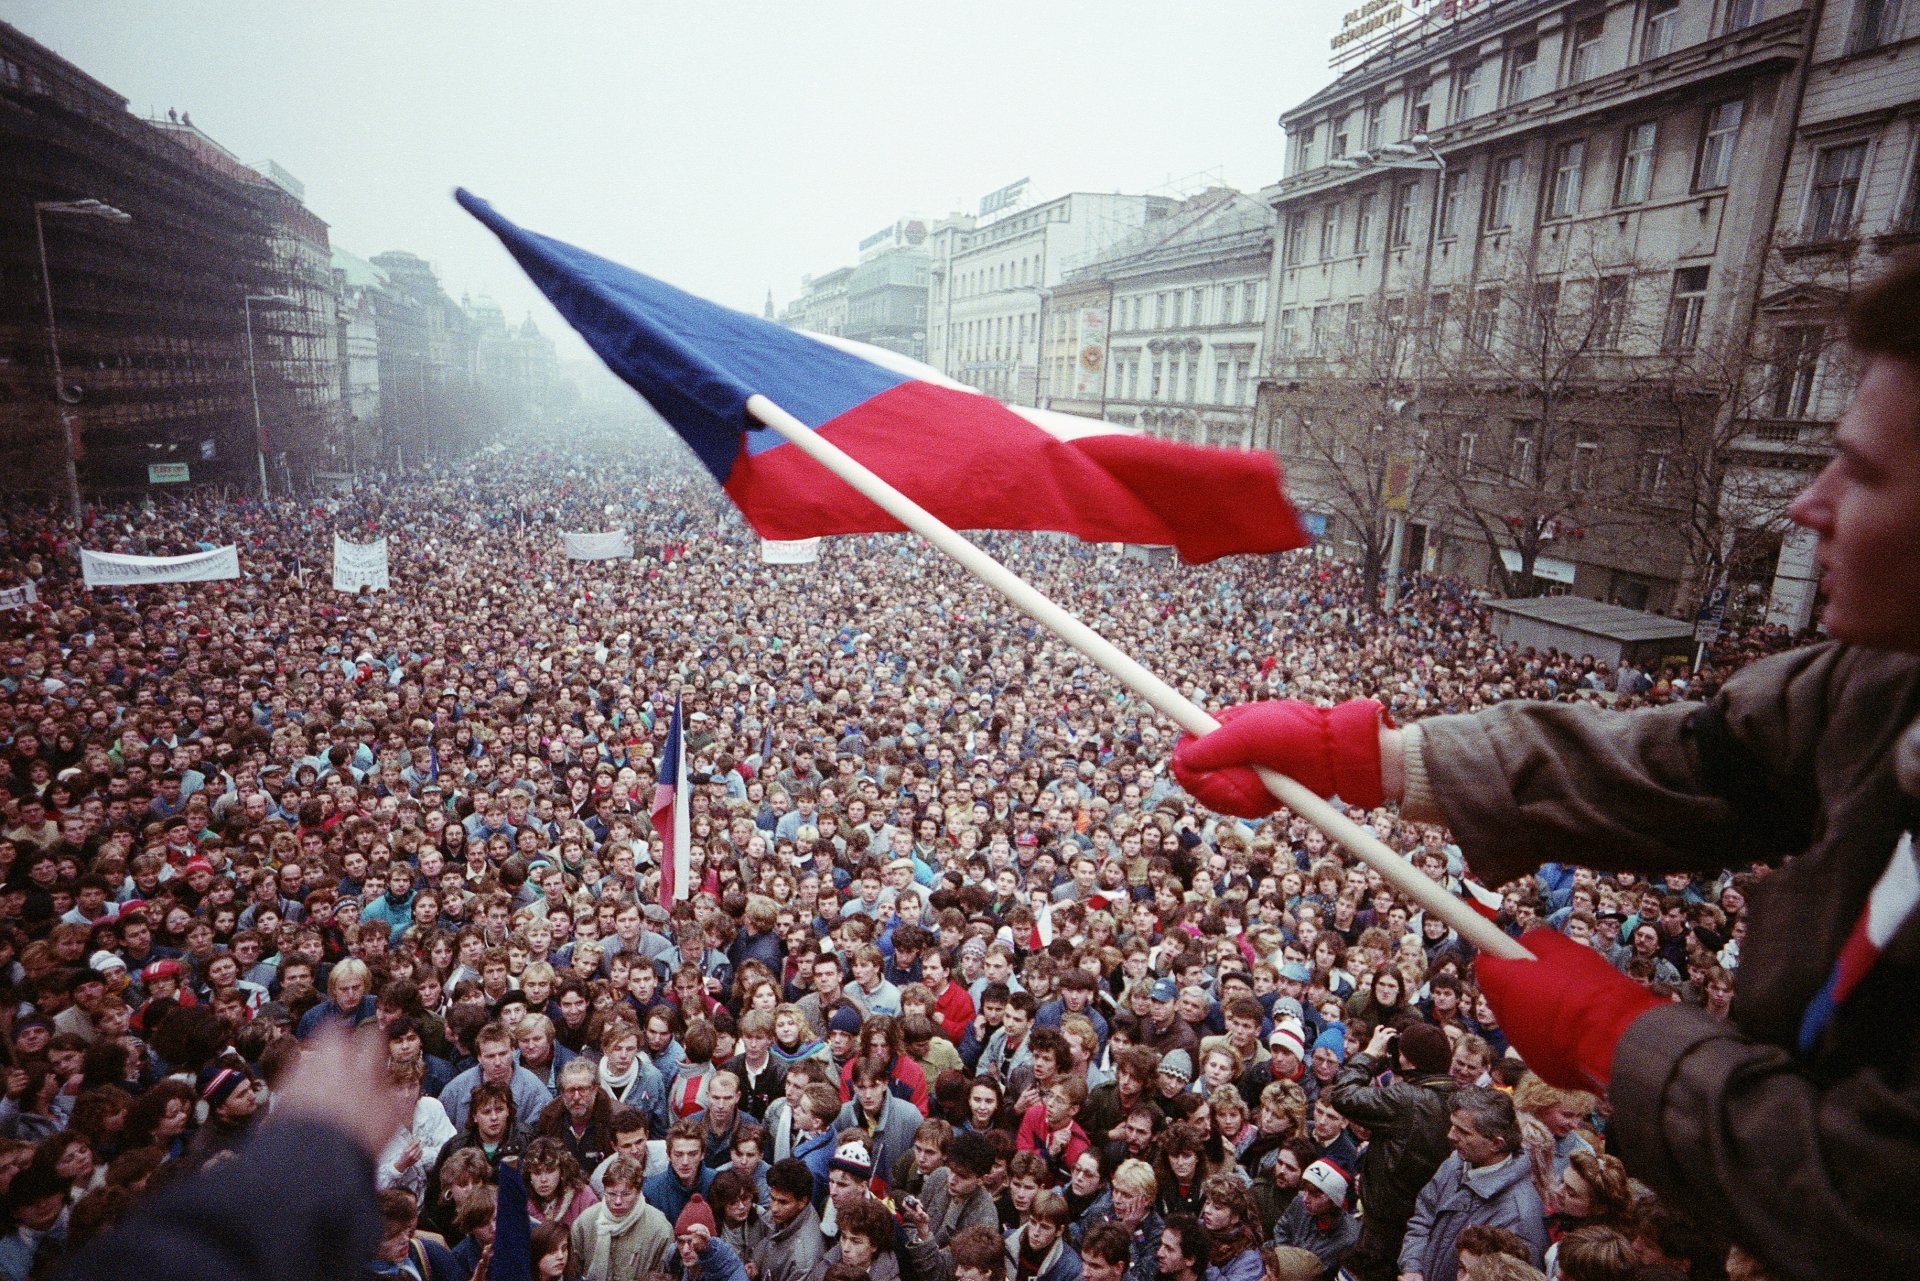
<point x="18" y="597"/>
<point x="614" y="544"/>
<point x="357" y="565"/>
<point x="799" y="551"/>
<point x="107" y="569"/>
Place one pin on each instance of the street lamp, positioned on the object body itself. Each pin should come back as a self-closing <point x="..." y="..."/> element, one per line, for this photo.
<point x="63" y="394"/>
<point x="253" y="380"/>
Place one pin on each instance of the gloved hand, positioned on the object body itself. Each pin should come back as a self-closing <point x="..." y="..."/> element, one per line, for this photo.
<point x="1333" y="751"/>
<point x="1565" y="1011"/>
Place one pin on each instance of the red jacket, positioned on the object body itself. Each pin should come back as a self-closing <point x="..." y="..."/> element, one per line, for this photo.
<point x="1033" y="1138"/>
<point x="954" y="1008"/>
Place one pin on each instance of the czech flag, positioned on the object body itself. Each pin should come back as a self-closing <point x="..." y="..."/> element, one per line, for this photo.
<point x="965" y="457"/>
<point x="671" y="815"/>
<point x="1480" y="898"/>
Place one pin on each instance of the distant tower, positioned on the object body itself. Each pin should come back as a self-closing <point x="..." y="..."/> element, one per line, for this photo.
<point x="768" y="313"/>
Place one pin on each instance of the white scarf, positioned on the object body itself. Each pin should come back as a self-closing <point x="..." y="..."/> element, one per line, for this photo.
<point x="619" y="1085"/>
<point x="600" y="1266"/>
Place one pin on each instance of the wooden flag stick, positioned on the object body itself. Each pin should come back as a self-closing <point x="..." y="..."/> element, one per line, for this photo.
<point x="1402" y="875"/>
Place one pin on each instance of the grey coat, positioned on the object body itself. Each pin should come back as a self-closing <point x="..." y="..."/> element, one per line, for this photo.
<point x="1502" y="1196"/>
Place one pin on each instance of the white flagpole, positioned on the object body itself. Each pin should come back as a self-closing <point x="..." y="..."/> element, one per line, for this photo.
<point x="1402" y="875"/>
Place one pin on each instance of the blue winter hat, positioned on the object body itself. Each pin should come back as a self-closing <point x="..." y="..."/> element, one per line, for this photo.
<point x="1166" y="990"/>
<point x="845" y="1019"/>
<point x="1333" y="1040"/>
<point x="1296" y="972"/>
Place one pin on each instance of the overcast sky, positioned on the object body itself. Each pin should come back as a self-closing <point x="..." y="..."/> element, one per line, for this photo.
<point x="726" y="147"/>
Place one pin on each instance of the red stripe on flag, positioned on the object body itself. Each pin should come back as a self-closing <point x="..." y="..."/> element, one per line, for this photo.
<point x="662" y="816"/>
<point x="977" y="465"/>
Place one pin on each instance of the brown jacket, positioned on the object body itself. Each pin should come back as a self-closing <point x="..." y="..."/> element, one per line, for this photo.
<point x="1813" y="1163"/>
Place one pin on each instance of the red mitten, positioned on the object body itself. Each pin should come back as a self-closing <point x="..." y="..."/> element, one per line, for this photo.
<point x="1332" y="751"/>
<point x="1565" y="1011"/>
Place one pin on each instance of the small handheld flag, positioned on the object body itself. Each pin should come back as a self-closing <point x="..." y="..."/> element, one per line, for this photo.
<point x="671" y="815"/>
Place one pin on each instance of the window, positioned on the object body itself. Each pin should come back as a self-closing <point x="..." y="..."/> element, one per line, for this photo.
<point x="1329" y="232"/>
<point x="1586" y="465"/>
<point x="1684" y="311"/>
<point x="1243" y="382"/>
<point x="1317" y="332"/>
<point x="1153" y="390"/>
<point x="1362" y="224"/>
<point x="1227" y="293"/>
<point x="1285" y="329"/>
<point x="1742" y="14"/>
<point x="1451" y="202"/>
<point x="1589" y="35"/>
<point x="1636" y="164"/>
<point x="1908" y="218"/>
<point x="1521" y="60"/>
<point x="1179" y="308"/>
<point x="1502" y="193"/>
<point x="1250" y="303"/>
<point x="1656" y="467"/>
<point x="1400" y="220"/>
<point x="1296" y="238"/>
<point x="1875" y="22"/>
<point x="1193" y="379"/>
<point x="1718" y="137"/>
<point x="1420" y="108"/>
<point x="1197" y="305"/>
<point x="1546" y="310"/>
<point x="1522" y="466"/>
<point x="1486" y="318"/>
<point x="1463" y="446"/>
<point x="1569" y="165"/>
<point x="1466" y="93"/>
<point x="1356" y="319"/>
<point x="1133" y="379"/>
<point x="1376" y="121"/>
<point x="1796" y="366"/>
<point x="1220" y="382"/>
<point x="1836" y="190"/>
<point x="1339" y="147"/>
<point x="1663" y="21"/>
<point x="1611" y="300"/>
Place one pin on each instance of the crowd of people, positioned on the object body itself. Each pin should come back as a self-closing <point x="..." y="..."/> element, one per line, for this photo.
<point x="965" y="987"/>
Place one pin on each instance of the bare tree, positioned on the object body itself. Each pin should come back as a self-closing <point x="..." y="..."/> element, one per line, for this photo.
<point x="1350" y="426"/>
<point x="1560" y="423"/>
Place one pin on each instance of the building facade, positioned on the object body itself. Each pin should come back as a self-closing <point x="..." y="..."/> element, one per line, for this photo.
<point x="1526" y="243"/>
<point x="887" y="289"/>
<point x="1851" y="196"/>
<point x="990" y="275"/>
<point x="821" y="307"/>
<point x="1179" y="341"/>
<point x="291" y="316"/>
<point x="147" y="308"/>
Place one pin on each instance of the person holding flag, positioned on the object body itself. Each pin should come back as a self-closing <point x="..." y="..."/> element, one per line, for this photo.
<point x="1792" y="1122"/>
